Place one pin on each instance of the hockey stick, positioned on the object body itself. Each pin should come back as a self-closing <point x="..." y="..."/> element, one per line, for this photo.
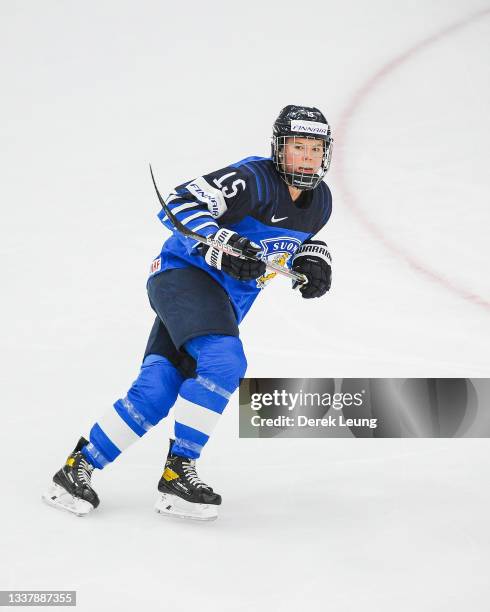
<point x="226" y="248"/>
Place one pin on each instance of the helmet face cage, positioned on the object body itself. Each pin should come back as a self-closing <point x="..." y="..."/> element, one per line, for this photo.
<point x="293" y="176"/>
<point x="304" y="122"/>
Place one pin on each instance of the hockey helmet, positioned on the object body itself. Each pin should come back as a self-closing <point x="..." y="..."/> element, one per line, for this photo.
<point x="302" y="122"/>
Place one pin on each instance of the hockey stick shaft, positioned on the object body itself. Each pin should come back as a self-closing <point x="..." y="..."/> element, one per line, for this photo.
<point x="226" y="248"/>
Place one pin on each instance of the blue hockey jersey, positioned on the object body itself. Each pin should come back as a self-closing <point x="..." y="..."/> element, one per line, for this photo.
<point x="250" y="198"/>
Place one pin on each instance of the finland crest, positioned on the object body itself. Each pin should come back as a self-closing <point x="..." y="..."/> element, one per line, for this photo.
<point x="277" y="250"/>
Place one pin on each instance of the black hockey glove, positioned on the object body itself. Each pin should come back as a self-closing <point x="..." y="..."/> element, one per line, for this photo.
<point x="241" y="269"/>
<point x="313" y="260"/>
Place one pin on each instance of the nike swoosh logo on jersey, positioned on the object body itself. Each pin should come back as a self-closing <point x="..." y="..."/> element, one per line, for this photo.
<point x="274" y="220"/>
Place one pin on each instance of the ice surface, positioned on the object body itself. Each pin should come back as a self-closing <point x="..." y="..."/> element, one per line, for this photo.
<point x="90" y="95"/>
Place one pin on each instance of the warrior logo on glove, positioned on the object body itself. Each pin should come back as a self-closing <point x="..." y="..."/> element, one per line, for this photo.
<point x="237" y="267"/>
<point x="314" y="261"/>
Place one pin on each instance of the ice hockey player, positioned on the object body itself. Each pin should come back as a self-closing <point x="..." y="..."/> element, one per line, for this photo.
<point x="271" y="208"/>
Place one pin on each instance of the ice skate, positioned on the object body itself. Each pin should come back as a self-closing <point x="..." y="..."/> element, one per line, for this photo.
<point x="183" y="494"/>
<point x="71" y="488"/>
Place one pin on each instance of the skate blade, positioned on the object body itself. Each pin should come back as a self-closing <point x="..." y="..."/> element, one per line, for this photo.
<point x="172" y="505"/>
<point x="57" y="497"/>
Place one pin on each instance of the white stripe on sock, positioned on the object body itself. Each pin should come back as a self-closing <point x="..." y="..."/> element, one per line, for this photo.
<point x="195" y="416"/>
<point x="117" y="430"/>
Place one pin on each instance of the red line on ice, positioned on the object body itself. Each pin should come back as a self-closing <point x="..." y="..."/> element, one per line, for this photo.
<point x="350" y="199"/>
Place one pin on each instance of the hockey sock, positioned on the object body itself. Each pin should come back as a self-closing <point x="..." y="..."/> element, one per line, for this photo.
<point x="148" y="401"/>
<point x="220" y="365"/>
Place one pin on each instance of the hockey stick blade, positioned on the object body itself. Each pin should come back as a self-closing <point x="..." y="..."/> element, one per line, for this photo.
<point x="229" y="250"/>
